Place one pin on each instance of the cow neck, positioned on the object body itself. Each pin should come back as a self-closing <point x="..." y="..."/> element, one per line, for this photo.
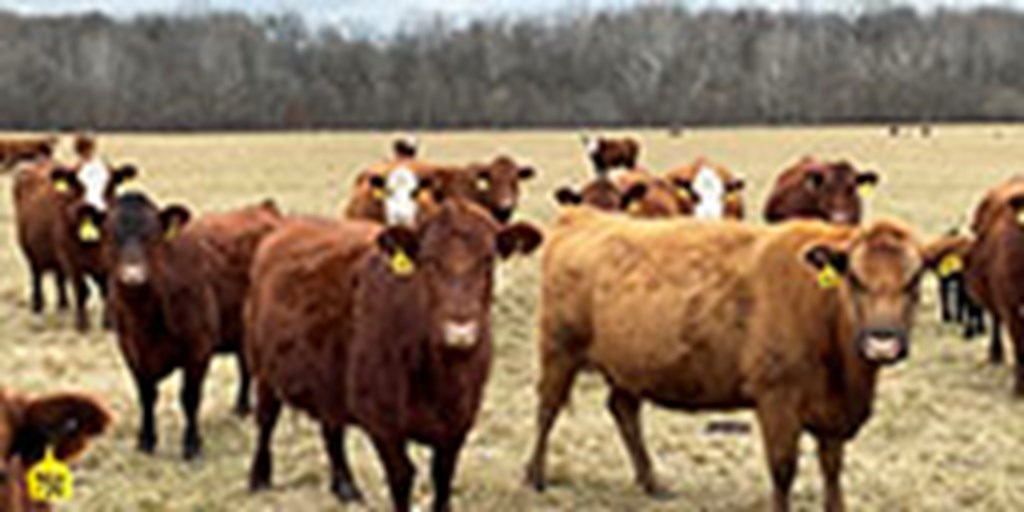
<point x="453" y="385"/>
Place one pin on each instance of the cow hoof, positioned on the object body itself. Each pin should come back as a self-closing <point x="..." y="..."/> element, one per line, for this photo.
<point x="347" y="492"/>
<point x="242" y="410"/>
<point x="535" y="478"/>
<point x="193" y="450"/>
<point x="258" y="484"/>
<point x="147" y="445"/>
<point x="656" y="490"/>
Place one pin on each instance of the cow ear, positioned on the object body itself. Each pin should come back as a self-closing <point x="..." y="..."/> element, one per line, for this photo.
<point x="124" y="173"/>
<point x="63" y="421"/>
<point x="173" y="218"/>
<point x="566" y="196"/>
<point x="946" y="254"/>
<point x="377" y="185"/>
<point x="814" y="180"/>
<point x="527" y="172"/>
<point x="633" y="195"/>
<point x="89" y="221"/>
<point x="521" y="237"/>
<point x="401" y="245"/>
<point x="870" y="178"/>
<point x="824" y="256"/>
<point x="735" y="185"/>
<point x="64" y="180"/>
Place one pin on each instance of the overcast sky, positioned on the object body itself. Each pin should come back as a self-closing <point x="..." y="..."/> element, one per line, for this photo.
<point x="384" y="15"/>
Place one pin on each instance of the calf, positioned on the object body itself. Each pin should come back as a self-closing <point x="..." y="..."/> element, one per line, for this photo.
<point x="56" y="234"/>
<point x="812" y="189"/>
<point x="164" y="306"/>
<point x="494" y="185"/>
<point x="792" y="321"/>
<point x="30" y="425"/>
<point x="384" y="328"/>
<point x="607" y="154"/>
<point x="716" y="191"/>
<point x="233" y="237"/>
<point x="995" y="270"/>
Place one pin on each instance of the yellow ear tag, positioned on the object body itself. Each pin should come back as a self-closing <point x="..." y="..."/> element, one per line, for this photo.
<point x="172" y="231"/>
<point x="683" y="193"/>
<point x="950" y="265"/>
<point x="828" y="277"/>
<point x="634" y="207"/>
<point x="378" y="194"/>
<point x="483" y="184"/>
<point x="88" y="232"/>
<point x="866" y="190"/>
<point x="1020" y="216"/>
<point x="401" y="263"/>
<point x="61" y="186"/>
<point x="50" y="480"/>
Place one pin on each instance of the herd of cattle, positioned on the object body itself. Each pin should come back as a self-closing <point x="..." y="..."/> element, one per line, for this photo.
<point x="382" y="319"/>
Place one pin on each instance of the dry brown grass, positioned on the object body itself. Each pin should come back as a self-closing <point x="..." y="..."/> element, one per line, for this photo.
<point x="945" y="436"/>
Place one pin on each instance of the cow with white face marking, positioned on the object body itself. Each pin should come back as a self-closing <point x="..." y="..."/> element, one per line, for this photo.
<point x="716" y="191"/>
<point x="608" y="154"/>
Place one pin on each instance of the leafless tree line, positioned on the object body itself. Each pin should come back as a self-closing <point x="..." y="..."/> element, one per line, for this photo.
<point x="652" y="65"/>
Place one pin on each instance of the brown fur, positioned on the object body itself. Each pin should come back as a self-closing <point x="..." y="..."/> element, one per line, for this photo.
<point x="682" y="178"/>
<point x="337" y="334"/>
<point x="638" y="193"/>
<point x="814" y="189"/>
<point x="363" y="204"/>
<point x="13" y="151"/>
<point x="493" y="185"/>
<point x="615" y="153"/>
<point x="995" y="269"/>
<point x="705" y="316"/>
<point x="29" y="425"/>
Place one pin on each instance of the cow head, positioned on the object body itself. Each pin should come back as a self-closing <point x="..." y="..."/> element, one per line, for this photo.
<point x="832" y="192"/>
<point x="453" y="253"/>
<point x="28" y="426"/>
<point x="402" y="195"/>
<point x="135" y="231"/>
<point x="495" y="186"/>
<point x="601" y="194"/>
<point x="96" y="189"/>
<point x="405" y="147"/>
<point x="708" y="191"/>
<point x="878" y="269"/>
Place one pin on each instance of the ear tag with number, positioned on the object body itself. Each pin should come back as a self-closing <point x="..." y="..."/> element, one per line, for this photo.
<point x="401" y="263"/>
<point x="683" y="193"/>
<point x="950" y="265"/>
<point x="828" y="277"/>
<point x="88" y="231"/>
<point x="634" y="207"/>
<point x="61" y="186"/>
<point x="866" y="190"/>
<point x="379" y="193"/>
<point x="50" y="480"/>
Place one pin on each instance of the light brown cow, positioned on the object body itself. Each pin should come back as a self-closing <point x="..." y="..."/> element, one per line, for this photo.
<point x="717" y="191"/>
<point x="793" y="321"/>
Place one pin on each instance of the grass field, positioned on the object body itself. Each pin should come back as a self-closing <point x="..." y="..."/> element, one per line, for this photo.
<point x="946" y="435"/>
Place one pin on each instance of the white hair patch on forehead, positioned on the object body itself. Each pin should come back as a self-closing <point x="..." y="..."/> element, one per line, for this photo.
<point x="593" y="144"/>
<point x="711" y="191"/>
<point x="95" y="178"/>
<point x="400" y="207"/>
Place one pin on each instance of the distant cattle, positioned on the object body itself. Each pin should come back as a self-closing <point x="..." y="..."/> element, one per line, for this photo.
<point x="55" y="235"/>
<point x="717" y="191"/>
<point x="638" y="193"/>
<point x="405" y="147"/>
<point x="956" y="304"/>
<point x="814" y="189"/>
<point x="794" y="321"/>
<point x="29" y="426"/>
<point x="234" y="236"/>
<point x="13" y="151"/>
<point x="386" y="328"/>
<point x="608" y="153"/>
<point x="164" y="306"/>
<point x="995" y="268"/>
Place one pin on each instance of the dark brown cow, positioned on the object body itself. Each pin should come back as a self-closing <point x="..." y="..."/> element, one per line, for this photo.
<point x="49" y="201"/>
<point x="30" y="425"/>
<point x="163" y="304"/>
<point x="995" y="269"/>
<point x="793" y="321"/>
<point x="18" y="150"/>
<point x="384" y="328"/>
<point x="607" y="153"/>
<point x="716" y="191"/>
<point x="638" y="193"/>
<point x="813" y="189"/>
<point x="494" y="185"/>
<point x="234" y="236"/>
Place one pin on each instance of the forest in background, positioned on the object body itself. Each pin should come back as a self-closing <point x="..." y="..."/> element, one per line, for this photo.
<point x="647" y="66"/>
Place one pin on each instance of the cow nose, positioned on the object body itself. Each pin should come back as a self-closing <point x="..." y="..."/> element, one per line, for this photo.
<point x="132" y="274"/>
<point x="842" y="218"/>
<point x="885" y="346"/>
<point x="503" y="214"/>
<point x="461" y="335"/>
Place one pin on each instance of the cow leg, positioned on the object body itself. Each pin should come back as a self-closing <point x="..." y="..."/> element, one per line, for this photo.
<point x="625" y="408"/>
<point x="399" y="470"/>
<point x="830" y="457"/>
<point x="81" y="299"/>
<point x="995" y="349"/>
<point x="60" y="281"/>
<point x="242" y="405"/>
<point x="147" y="404"/>
<point x="342" y="484"/>
<point x="945" y="298"/>
<point x="191" y="398"/>
<point x="780" y="428"/>
<point x="268" y="409"/>
<point x="101" y="285"/>
<point x="1016" y="327"/>
<point x="558" y="373"/>
<point x="442" y="469"/>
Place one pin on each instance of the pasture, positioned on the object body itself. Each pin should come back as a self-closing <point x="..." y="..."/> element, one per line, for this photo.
<point x="946" y="434"/>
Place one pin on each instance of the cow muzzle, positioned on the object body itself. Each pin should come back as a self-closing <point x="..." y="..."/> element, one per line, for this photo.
<point x="461" y="335"/>
<point x="132" y="274"/>
<point x="884" y="346"/>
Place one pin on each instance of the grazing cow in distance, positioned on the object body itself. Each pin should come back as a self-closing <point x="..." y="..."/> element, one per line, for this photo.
<point x="716" y="190"/>
<point x="14" y="151"/>
<point x="55" y="234"/>
<point x="608" y="153"/>
<point x="163" y="304"/>
<point x="384" y="328"/>
<point x="794" y="321"/>
<point x="63" y="422"/>
<point x="814" y="189"/>
<point x="995" y="269"/>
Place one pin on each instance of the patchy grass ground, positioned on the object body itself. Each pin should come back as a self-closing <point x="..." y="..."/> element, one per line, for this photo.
<point x="945" y="436"/>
